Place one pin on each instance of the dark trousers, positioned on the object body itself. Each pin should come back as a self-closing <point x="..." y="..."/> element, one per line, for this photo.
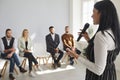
<point x="77" y="51"/>
<point x="31" y="59"/>
<point x="13" y="60"/>
<point x="56" y="59"/>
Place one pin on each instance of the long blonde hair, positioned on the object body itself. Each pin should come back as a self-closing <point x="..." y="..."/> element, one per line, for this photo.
<point x="24" y="32"/>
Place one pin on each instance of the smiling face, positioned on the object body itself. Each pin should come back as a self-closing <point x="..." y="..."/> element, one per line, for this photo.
<point x="96" y="16"/>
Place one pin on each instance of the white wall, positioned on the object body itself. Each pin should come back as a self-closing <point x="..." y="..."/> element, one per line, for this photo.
<point x="35" y="15"/>
<point x="116" y="2"/>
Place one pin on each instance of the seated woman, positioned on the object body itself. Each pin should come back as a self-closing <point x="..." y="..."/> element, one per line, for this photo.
<point x="25" y="50"/>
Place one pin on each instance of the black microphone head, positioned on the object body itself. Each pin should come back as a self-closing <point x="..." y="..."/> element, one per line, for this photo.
<point x="84" y="29"/>
<point x="87" y="25"/>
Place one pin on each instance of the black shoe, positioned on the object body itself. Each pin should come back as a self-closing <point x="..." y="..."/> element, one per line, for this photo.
<point x="71" y="62"/>
<point x="11" y="77"/>
<point x="54" y="65"/>
<point x="58" y="64"/>
<point x="22" y="70"/>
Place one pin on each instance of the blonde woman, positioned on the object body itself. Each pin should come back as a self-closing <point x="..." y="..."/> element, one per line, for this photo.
<point x="25" y="50"/>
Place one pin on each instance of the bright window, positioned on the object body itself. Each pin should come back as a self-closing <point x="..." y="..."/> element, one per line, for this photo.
<point x="87" y="9"/>
<point x="82" y="13"/>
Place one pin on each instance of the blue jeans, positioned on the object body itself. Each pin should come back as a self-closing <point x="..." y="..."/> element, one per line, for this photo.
<point x="13" y="60"/>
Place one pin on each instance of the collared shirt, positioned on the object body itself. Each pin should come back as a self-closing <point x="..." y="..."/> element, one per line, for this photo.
<point x="53" y="36"/>
<point x="8" y="41"/>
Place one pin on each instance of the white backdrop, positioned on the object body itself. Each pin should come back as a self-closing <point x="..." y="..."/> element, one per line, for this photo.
<point x="35" y="15"/>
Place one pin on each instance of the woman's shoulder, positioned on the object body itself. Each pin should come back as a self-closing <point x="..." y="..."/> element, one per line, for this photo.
<point x="20" y="38"/>
<point x="99" y="35"/>
<point x="29" y="39"/>
<point x="105" y="38"/>
<point x="104" y="33"/>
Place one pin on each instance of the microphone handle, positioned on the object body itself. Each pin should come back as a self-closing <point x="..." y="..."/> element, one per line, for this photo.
<point x="79" y="37"/>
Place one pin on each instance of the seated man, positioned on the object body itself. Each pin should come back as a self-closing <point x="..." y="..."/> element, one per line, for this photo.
<point x="8" y="48"/>
<point x="52" y="42"/>
<point x="68" y="42"/>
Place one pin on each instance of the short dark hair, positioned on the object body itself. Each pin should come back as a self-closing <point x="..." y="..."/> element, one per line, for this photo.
<point x="7" y="30"/>
<point x="51" y="27"/>
<point x="66" y="27"/>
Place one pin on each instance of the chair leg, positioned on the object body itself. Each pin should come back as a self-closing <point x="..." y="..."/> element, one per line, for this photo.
<point x="64" y="57"/>
<point x="4" y="69"/>
<point x="38" y="59"/>
<point x="44" y="60"/>
<point x="34" y="67"/>
<point x="75" y="61"/>
<point x="47" y="59"/>
<point x="24" y="63"/>
<point x="16" y="71"/>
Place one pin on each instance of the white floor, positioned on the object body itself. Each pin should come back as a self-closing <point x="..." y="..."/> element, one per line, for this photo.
<point x="66" y="72"/>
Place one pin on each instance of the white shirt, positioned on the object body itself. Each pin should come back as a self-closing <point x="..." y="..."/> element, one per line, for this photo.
<point x="8" y="41"/>
<point x="53" y="36"/>
<point x="101" y="45"/>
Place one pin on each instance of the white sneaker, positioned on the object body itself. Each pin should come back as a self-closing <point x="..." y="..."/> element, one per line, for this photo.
<point x="31" y="74"/>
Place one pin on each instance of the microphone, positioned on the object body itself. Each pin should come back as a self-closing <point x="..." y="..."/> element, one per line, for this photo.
<point x="83" y="31"/>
